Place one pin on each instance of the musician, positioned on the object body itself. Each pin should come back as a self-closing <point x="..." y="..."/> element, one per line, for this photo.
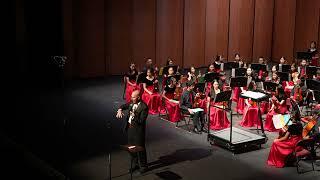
<point x="294" y="68"/>
<point x="130" y="80"/>
<point x="241" y="104"/>
<point x="274" y="78"/>
<point x="284" y="146"/>
<point x="149" y="65"/>
<point x="278" y="106"/>
<point x="218" y="117"/>
<point x="166" y="78"/>
<point x="192" y="75"/>
<point x="217" y="63"/>
<point x="314" y="51"/>
<point x="169" y="62"/>
<point x="250" y="116"/>
<point x="150" y="95"/>
<point x="211" y="69"/>
<point x="283" y="60"/>
<point x="297" y="91"/>
<point x="274" y="69"/>
<point x="135" y="127"/>
<point x="317" y="77"/>
<point x="238" y="60"/>
<point x="289" y="85"/>
<point x="186" y="105"/>
<point x="169" y="94"/>
<point x="302" y="67"/>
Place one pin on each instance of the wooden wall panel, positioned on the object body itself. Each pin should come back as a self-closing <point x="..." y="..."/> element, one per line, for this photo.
<point x="194" y="32"/>
<point x="283" y="29"/>
<point x="169" y="31"/>
<point x="143" y="29"/>
<point x="241" y="28"/>
<point x="307" y="24"/>
<point x="90" y="38"/>
<point x="263" y="23"/>
<point x="217" y="27"/>
<point x="120" y="36"/>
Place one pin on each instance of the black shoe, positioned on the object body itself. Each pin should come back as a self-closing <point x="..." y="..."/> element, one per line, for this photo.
<point x="195" y="130"/>
<point x="205" y="130"/>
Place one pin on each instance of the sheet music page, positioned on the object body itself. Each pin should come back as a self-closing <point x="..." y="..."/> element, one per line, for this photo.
<point x="174" y="101"/>
<point x="197" y="110"/>
<point x="251" y="94"/>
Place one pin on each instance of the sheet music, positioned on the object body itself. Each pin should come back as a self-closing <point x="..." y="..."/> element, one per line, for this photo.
<point x="196" y="110"/>
<point x="174" y="101"/>
<point x="254" y="95"/>
<point x="279" y="120"/>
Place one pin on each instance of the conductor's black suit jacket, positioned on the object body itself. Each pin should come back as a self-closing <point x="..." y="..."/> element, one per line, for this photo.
<point x="137" y="129"/>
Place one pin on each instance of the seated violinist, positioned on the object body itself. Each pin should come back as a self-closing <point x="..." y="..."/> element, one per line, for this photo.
<point x="192" y="75"/>
<point x="250" y="116"/>
<point x="211" y="69"/>
<point x="130" y="80"/>
<point x="296" y="92"/>
<point x="278" y="106"/>
<point x="217" y="63"/>
<point x="187" y="107"/>
<point x="251" y="77"/>
<point x="150" y="94"/>
<point x="289" y="85"/>
<point x="218" y="117"/>
<point x="167" y="76"/>
<point x="283" y="146"/>
<point x="169" y="96"/>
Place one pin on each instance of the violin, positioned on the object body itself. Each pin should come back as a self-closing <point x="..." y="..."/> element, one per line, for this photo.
<point x="298" y="94"/>
<point x="177" y="92"/>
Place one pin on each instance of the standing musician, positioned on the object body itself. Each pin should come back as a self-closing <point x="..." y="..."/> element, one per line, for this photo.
<point x="136" y="127"/>
<point x="150" y="95"/>
<point x="130" y="80"/>
<point x="218" y="117"/>
<point x="187" y="105"/>
<point x="314" y="51"/>
<point x="169" y="95"/>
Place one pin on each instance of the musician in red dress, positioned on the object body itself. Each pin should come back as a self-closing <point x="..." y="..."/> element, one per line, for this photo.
<point x="130" y="80"/>
<point x="278" y="106"/>
<point x="314" y="51"/>
<point x="171" y="106"/>
<point x="150" y="95"/>
<point x="241" y="104"/>
<point x="302" y="68"/>
<point x="192" y="75"/>
<point x="218" y="117"/>
<point x="250" y="116"/>
<point x="284" y="146"/>
<point x="211" y="69"/>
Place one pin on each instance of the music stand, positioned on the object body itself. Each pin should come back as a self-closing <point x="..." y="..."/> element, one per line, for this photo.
<point x="313" y="84"/>
<point x="304" y="55"/>
<point x="238" y="81"/>
<point x="284" y="67"/>
<point x="230" y="65"/>
<point x="257" y="67"/>
<point x="284" y="76"/>
<point x="210" y="77"/>
<point x="166" y="68"/>
<point x="270" y="86"/>
<point x="240" y="72"/>
<point x="311" y="71"/>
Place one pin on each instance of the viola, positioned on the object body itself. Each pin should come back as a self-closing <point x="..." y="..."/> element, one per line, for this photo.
<point x="298" y="94"/>
<point x="309" y="126"/>
<point x="177" y="92"/>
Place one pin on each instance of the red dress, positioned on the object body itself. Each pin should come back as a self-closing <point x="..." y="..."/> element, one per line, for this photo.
<point x="173" y="108"/>
<point x="241" y="104"/>
<point x="152" y="100"/>
<point x="287" y="90"/>
<point x="250" y="117"/>
<point x="280" y="150"/>
<point x="279" y="109"/>
<point x="236" y="92"/>
<point x="218" y="117"/>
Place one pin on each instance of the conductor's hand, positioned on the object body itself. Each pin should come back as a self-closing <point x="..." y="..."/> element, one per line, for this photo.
<point x="119" y="113"/>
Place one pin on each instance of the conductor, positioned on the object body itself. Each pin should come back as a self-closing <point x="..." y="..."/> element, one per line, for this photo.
<point x="136" y="127"/>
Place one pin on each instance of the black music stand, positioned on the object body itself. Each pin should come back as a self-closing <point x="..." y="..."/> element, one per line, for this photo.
<point x="284" y="76"/>
<point x="257" y="67"/>
<point x="224" y="96"/>
<point x="311" y="71"/>
<point x="270" y="86"/>
<point x="240" y="72"/>
<point x="210" y="77"/>
<point x="284" y="68"/>
<point x="230" y="65"/>
<point x="240" y="81"/>
<point x="304" y="55"/>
